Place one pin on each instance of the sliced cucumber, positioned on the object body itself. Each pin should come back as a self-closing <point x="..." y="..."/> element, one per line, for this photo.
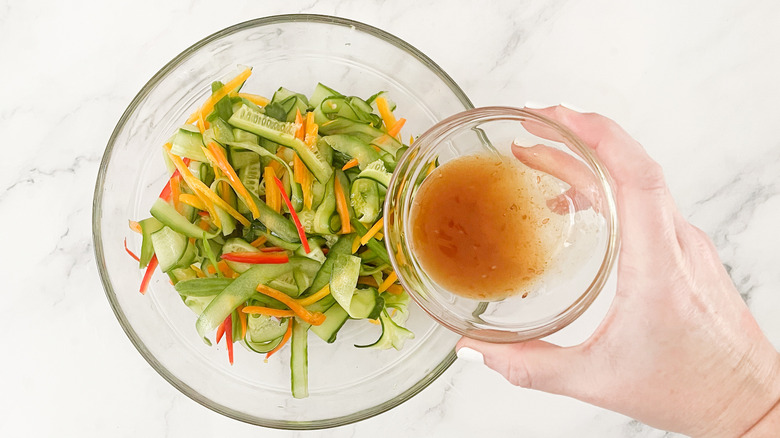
<point x="202" y="287"/>
<point x="261" y="328"/>
<point x="283" y="133"/>
<point x="376" y="171"/>
<point x="353" y="147"/>
<point x="169" y="247"/>
<point x="148" y="226"/>
<point x="359" y="303"/>
<point x="166" y="214"/>
<point x="236" y="293"/>
<point x="299" y="361"/>
<point x="321" y="92"/>
<point x="364" y="197"/>
<point x="393" y="335"/>
<point x="188" y="143"/>
<point x="335" y="317"/>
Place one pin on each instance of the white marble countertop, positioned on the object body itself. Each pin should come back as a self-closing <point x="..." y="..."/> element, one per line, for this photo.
<point x="696" y="82"/>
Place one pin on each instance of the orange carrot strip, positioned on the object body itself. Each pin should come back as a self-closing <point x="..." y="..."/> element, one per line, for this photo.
<point x="242" y="318"/>
<point x="341" y="208"/>
<point x="205" y="193"/>
<point x="285" y="338"/>
<point x="396" y="129"/>
<point x="235" y="182"/>
<point x="301" y="131"/>
<point x="259" y="241"/>
<point x="311" y="130"/>
<point x="229" y="273"/>
<point x="271" y="192"/>
<point x="197" y="270"/>
<point x="374" y="230"/>
<point x="231" y="85"/>
<point x="268" y="311"/>
<point x="135" y="226"/>
<point x="384" y="111"/>
<point x="350" y="164"/>
<point x="255" y="99"/>
<point x="392" y="278"/>
<point x="369" y="281"/>
<point x="315" y="318"/>
<point x="176" y="192"/>
<point x="313" y="298"/>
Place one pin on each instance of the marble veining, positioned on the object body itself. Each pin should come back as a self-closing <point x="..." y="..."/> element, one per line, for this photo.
<point x="696" y="83"/>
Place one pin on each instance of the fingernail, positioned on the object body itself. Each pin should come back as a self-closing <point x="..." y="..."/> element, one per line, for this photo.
<point x="572" y="107"/>
<point x="469" y="355"/>
<point x="534" y="105"/>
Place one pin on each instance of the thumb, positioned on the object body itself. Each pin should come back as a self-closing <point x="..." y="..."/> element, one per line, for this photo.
<point x="532" y="364"/>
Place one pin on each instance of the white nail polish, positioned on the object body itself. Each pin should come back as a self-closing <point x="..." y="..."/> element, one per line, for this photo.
<point x="534" y="105"/>
<point x="469" y="355"/>
<point x="572" y="107"/>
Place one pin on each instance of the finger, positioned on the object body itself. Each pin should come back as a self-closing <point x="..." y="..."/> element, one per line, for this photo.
<point x="533" y="364"/>
<point x="645" y="207"/>
<point x="584" y="191"/>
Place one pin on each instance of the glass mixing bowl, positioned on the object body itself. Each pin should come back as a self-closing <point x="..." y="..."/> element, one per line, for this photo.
<point x="579" y="222"/>
<point x="346" y="384"/>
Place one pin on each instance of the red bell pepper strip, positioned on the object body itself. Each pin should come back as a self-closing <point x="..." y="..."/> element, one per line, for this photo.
<point x="131" y="252"/>
<point x="257" y="258"/>
<point x="229" y="337"/>
<point x="148" y="274"/>
<point x="301" y="232"/>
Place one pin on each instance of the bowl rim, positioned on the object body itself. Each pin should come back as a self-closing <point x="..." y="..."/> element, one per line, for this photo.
<point x="451" y="124"/>
<point x="97" y="215"/>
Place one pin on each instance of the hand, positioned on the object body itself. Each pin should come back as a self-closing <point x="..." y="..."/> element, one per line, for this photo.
<point x="678" y="349"/>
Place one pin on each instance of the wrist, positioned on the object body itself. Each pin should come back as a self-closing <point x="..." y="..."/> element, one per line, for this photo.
<point x="767" y="426"/>
<point x="755" y="411"/>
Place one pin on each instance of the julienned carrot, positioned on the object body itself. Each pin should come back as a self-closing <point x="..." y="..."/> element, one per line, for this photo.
<point x="271" y="193"/>
<point x="350" y="164"/>
<point x="396" y="129"/>
<point x="192" y="201"/>
<point x="259" y="241"/>
<point x="384" y="111"/>
<point x="254" y="98"/>
<point x="148" y="274"/>
<point x="208" y="106"/>
<point x="285" y="338"/>
<point x="203" y="192"/>
<point x="310" y="136"/>
<point x="131" y="252"/>
<point x="374" y="230"/>
<point x="235" y="182"/>
<point x="300" y="132"/>
<point x="315" y="318"/>
<point x="313" y="298"/>
<point x="135" y="226"/>
<point x="392" y="278"/>
<point x="242" y="319"/>
<point x="268" y="311"/>
<point x="229" y="337"/>
<point x="394" y="289"/>
<point x="342" y="208"/>
<point x="298" y="226"/>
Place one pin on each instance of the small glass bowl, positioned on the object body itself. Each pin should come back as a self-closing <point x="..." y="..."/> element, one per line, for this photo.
<point x="584" y="243"/>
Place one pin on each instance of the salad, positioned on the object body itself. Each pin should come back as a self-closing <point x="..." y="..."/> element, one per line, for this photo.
<point x="270" y="224"/>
